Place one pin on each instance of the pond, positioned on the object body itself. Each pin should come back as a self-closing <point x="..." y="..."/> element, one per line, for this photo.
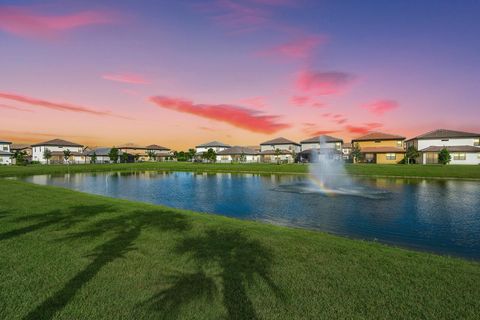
<point x="441" y="216"/>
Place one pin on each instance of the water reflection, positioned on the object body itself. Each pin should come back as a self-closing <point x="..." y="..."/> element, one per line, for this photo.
<point x="435" y="215"/>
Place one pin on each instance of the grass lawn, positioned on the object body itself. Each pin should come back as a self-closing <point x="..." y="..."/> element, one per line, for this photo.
<point x="69" y="255"/>
<point x="426" y="171"/>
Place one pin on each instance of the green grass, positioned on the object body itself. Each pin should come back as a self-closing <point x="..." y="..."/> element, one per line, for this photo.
<point x="69" y="255"/>
<point x="425" y="171"/>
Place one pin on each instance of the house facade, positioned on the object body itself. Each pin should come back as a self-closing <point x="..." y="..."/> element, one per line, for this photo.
<point x="161" y="153"/>
<point x="347" y="150"/>
<point x="217" y="146"/>
<point x="57" y="148"/>
<point x="141" y="153"/>
<point x="280" y="144"/>
<point x="238" y="154"/>
<point x="102" y="154"/>
<point x="5" y="153"/>
<point x="464" y="147"/>
<point x="323" y="141"/>
<point x="380" y="148"/>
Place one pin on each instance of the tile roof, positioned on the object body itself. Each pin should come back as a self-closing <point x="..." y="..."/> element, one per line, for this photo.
<point x="156" y="147"/>
<point x="382" y="150"/>
<point x="452" y="149"/>
<point x="325" y="138"/>
<point x="213" y="144"/>
<point x="280" y="140"/>
<point x="18" y="146"/>
<point x="237" y="150"/>
<point x="131" y="145"/>
<point x="444" y="133"/>
<point x="378" y="136"/>
<point x="57" y="142"/>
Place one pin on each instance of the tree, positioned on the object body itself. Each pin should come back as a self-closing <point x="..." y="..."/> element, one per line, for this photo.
<point x="19" y="157"/>
<point x="136" y="157"/>
<point x="243" y="157"/>
<point x="356" y="152"/>
<point x="47" y="154"/>
<point x="277" y="155"/>
<point x="124" y="157"/>
<point x="151" y="155"/>
<point x="181" y="156"/>
<point x="444" y="156"/>
<point x="93" y="158"/>
<point x="412" y="153"/>
<point x="66" y="155"/>
<point x="210" y="155"/>
<point x="113" y="155"/>
<point x="191" y="154"/>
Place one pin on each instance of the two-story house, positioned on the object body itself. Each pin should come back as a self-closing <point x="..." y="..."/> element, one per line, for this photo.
<point x="315" y="144"/>
<point x="5" y="154"/>
<point x="279" y="150"/>
<point x="102" y="155"/>
<point x="217" y="146"/>
<point x="381" y="148"/>
<point x="464" y="147"/>
<point x="161" y="153"/>
<point x="238" y="154"/>
<point x="57" y="148"/>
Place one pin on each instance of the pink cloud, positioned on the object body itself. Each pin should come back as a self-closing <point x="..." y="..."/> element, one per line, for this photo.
<point x="367" y="127"/>
<point x="254" y="102"/>
<point x="126" y="78"/>
<point x="299" y="100"/>
<point x="319" y="105"/>
<point x="244" y="118"/>
<point x="323" y="83"/>
<point x="54" y="105"/>
<point x="24" y="21"/>
<point x="4" y="106"/>
<point x="380" y="107"/>
<point x="296" y="49"/>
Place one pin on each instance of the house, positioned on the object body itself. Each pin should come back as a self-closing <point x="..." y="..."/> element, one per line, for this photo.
<point x="102" y="154"/>
<point x="5" y="154"/>
<point x="381" y="148"/>
<point x="161" y="153"/>
<point x="281" y="144"/>
<point x="217" y="146"/>
<point x="143" y="153"/>
<point x="26" y="148"/>
<point x="57" y="148"/>
<point x="464" y="147"/>
<point x="238" y="154"/>
<point x="346" y="150"/>
<point x="312" y="147"/>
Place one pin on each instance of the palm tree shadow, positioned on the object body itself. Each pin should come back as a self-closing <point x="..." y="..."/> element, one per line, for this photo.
<point x="242" y="262"/>
<point x="127" y="228"/>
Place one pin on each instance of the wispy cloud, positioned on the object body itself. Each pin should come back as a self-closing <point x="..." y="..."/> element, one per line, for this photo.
<point x="257" y="102"/>
<point x="126" y="78"/>
<point x="363" y="129"/>
<point x="26" y="22"/>
<point x="380" y="107"/>
<point x="244" y="118"/>
<point x="323" y="82"/>
<point x="300" y="48"/>
<point x="59" y="106"/>
<point x="4" y="106"/>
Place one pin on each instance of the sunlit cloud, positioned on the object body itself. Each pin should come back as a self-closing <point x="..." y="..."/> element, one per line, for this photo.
<point x="296" y="49"/>
<point x="126" y="78"/>
<point x="26" y="22"/>
<point x="4" y="106"/>
<point x="323" y="83"/>
<point x="380" y="107"/>
<point x="239" y="117"/>
<point x="363" y="129"/>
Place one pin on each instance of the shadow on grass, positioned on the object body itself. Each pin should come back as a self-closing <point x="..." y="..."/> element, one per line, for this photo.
<point x="242" y="261"/>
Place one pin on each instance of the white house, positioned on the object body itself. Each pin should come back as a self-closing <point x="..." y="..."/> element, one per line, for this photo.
<point x="102" y="155"/>
<point x="57" y="148"/>
<point x="326" y="141"/>
<point x="464" y="147"/>
<point x="5" y="154"/>
<point x="280" y="144"/>
<point x="238" y="154"/>
<point x="217" y="146"/>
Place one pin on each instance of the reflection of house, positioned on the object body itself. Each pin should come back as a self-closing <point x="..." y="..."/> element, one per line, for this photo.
<point x="464" y="147"/>
<point x="382" y="148"/>
<point x="5" y="154"/>
<point x="57" y="148"/>
<point x="238" y="154"/>
<point x="217" y="146"/>
<point x="281" y="144"/>
<point x="346" y="150"/>
<point x="141" y="153"/>
<point x="326" y="141"/>
<point x="102" y="155"/>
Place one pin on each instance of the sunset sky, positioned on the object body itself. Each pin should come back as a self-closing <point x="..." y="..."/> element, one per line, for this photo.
<point x="180" y="73"/>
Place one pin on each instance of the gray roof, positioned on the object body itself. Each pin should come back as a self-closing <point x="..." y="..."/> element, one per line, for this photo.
<point x="102" y="151"/>
<point x="213" y="144"/>
<point x="452" y="149"/>
<point x="237" y="150"/>
<point x="156" y="147"/>
<point x="445" y="133"/>
<point x="324" y="137"/>
<point x="57" y="142"/>
<point x="280" y="140"/>
<point x="5" y="142"/>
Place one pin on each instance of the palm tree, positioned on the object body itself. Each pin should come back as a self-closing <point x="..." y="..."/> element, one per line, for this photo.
<point x="191" y="154"/>
<point x="93" y="158"/>
<point x="151" y="155"/>
<point x="356" y="152"/>
<point x="47" y="154"/>
<point x="278" y="152"/>
<point x="66" y="155"/>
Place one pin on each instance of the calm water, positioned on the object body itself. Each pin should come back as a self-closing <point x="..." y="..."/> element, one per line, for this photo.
<point x="431" y="215"/>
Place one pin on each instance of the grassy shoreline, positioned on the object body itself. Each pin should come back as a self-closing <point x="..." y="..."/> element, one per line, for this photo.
<point x="66" y="254"/>
<point x="369" y="170"/>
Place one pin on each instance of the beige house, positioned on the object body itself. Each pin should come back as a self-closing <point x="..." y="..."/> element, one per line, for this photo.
<point x="238" y="154"/>
<point x="381" y="148"/>
<point x="57" y="148"/>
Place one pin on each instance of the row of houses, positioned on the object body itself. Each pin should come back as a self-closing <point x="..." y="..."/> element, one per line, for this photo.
<point x="375" y="147"/>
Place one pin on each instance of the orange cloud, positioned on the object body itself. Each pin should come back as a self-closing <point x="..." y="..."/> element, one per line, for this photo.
<point x="4" y="106"/>
<point x="244" y="118"/>
<point x="23" y="21"/>
<point x="379" y="107"/>
<point x="323" y="83"/>
<point x="54" y="105"/>
<point x="367" y="127"/>
<point x="296" y="49"/>
<point x="126" y="78"/>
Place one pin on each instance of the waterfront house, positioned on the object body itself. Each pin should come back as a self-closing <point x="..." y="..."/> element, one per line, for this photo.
<point x="381" y="148"/>
<point x="281" y="144"/>
<point x="161" y="153"/>
<point x="464" y="147"/>
<point x="57" y="148"/>
<point x="102" y="154"/>
<point x="217" y="146"/>
<point x="312" y="147"/>
<point x="26" y="148"/>
<point x="5" y="154"/>
<point x="238" y="154"/>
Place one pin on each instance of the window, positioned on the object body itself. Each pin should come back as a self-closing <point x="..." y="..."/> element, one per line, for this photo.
<point x="476" y="142"/>
<point x="5" y="148"/>
<point x="399" y="143"/>
<point x="391" y="156"/>
<point x="459" y="156"/>
<point x="338" y="145"/>
<point x="445" y="139"/>
<point x="377" y="141"/>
